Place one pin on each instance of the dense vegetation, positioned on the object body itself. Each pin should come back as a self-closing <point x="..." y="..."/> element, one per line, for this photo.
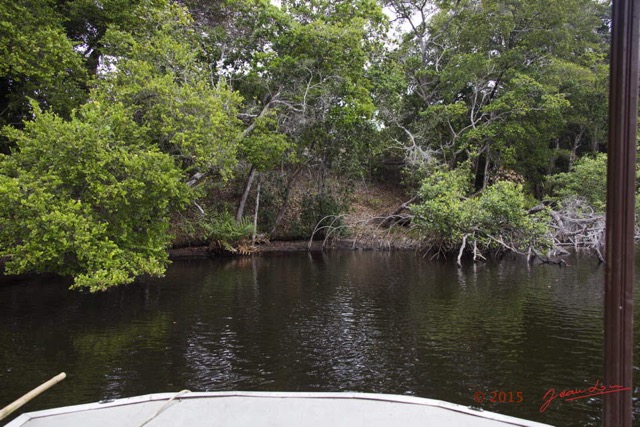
<point x="127" y="121"/>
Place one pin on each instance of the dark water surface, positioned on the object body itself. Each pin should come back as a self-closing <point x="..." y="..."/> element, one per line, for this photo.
<point x="340" y="321"/>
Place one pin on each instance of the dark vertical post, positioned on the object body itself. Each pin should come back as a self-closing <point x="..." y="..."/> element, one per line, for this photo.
<point x="619" y="280"/>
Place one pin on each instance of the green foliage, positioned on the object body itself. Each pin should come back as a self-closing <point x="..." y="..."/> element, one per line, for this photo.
<point x="586" y="179"/>
<point x="478" y="86"/>
<point x="220" y="231"/>
<point x="495" y="218"/>
<point x="87" y="21"/>
<point x="306" y="61"/>
<point x="512" y="83"/>
<point x="87" y="197"/>
<point x="224" y="228"/>
<point x="503" y="211"/>
<point x="265" y="147"/>
<point x="37" y="61"/>
<point x="443" y="214"/>
<point x="158" y="74"/>
<point x="91" y="197"/>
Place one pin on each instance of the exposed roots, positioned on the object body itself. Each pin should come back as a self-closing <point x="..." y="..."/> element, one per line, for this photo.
<point x="578" y="226"/>
<point x="379" y="232"/>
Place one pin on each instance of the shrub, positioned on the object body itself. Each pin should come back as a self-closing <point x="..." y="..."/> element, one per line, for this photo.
<point x="587" y="179"/>
<point x="87" y="198"/>
<point x="495" y="219"/>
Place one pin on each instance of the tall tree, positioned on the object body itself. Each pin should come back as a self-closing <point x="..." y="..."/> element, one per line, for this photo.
<point x="303" y="64"/>
<point x="483" y="79"/>
<point x="158" y="72"/>
<point x="90" y="196"/>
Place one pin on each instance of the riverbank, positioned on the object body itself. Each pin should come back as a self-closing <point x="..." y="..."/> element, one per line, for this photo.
<point x="297" y="246"/>
<point x="360" y="227"/>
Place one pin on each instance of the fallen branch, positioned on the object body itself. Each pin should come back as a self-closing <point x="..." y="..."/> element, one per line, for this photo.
<point x="578" y="225"/>
<point x="395" y="215"/>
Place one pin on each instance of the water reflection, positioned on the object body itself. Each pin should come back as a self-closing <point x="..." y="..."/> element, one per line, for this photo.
<point x="371" y="322"/>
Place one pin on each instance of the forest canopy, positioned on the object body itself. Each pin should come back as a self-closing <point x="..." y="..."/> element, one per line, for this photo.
<point x="127" y="123"/>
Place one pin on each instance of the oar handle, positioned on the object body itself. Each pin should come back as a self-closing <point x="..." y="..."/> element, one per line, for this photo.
<point x="7" y="410"/>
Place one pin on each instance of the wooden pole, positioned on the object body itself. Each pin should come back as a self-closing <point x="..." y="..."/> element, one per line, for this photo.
<point x="621" y="177"/>
<point x="7" y="410"/>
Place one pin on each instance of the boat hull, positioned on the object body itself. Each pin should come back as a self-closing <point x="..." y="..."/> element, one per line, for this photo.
<point x="245" y="409"/>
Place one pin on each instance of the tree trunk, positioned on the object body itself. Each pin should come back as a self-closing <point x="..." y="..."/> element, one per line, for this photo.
<point x="395" y="215"/>
<point x="595" y="144"/>
<point x="485" y="180"/>
<point x="247" y="188"/>
<point x="577" y="142"/>
<point x="285" y="202"/>
<point x="255" y="216"/>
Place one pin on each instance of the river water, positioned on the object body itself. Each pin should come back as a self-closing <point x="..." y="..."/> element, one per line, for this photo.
<point x="339" y="321"/>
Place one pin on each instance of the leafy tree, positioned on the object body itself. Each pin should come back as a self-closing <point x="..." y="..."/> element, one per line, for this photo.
<point x="265" y="147"/>
<point x="92" y="196"/>
<point x="486" y="82"/>
<point x="320" y="65"/>
<point x="302" y="66"/>
<point x="49" y="48"/>
<point x="87" y="197"/>
<point x="442" y="215"/>
<point x="158" y="73"/>
<point x="37" y="61"/>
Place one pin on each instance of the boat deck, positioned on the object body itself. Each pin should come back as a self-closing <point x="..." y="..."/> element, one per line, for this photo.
<point x="272" y="409"/>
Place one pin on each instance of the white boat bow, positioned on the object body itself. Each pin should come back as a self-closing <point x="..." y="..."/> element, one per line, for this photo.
<point x="273" y="409"/>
